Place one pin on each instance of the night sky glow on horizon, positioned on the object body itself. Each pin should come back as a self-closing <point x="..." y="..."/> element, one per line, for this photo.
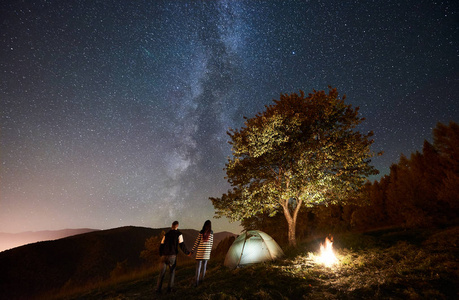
<point x="115" y="113"/>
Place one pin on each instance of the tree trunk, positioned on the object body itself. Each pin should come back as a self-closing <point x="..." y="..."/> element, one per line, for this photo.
<point x="291" y="232"/>
<point x="291" y="221"/>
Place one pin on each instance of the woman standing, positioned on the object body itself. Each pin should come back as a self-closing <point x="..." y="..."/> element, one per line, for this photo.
<point x="203" y="246"/>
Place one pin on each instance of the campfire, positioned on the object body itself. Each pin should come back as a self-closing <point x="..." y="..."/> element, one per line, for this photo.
<point x="327" y="257"/>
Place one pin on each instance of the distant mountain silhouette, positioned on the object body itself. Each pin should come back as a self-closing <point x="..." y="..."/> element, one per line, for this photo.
<point x="31" y="270"/>
<point x="13" y="240"/>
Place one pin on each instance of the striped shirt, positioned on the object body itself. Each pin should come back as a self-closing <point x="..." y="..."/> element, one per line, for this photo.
<point x="203" y="247"/>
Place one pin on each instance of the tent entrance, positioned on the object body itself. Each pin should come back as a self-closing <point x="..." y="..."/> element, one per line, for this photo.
<point x="251" y="247"/>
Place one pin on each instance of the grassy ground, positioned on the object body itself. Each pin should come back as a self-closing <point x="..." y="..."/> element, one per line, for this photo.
<point x="391" y="264"/>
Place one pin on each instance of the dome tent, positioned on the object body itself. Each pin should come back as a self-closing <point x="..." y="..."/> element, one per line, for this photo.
<point x="251" y="247"/>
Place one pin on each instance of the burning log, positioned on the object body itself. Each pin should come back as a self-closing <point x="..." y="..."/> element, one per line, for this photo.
<point x="327" y="257"/>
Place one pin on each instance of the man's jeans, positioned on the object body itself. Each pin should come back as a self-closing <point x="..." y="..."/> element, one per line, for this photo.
<point x="171" y="261"/>
<point x="200" y="275"/>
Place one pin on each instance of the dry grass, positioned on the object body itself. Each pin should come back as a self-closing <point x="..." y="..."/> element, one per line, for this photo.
<point x="383" y="265"/>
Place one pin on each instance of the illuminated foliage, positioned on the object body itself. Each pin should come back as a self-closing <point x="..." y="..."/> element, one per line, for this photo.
<point x="301" y="151"/>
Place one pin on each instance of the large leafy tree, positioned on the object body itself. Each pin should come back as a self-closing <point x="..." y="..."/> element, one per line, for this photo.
<point x="301" y="151"/>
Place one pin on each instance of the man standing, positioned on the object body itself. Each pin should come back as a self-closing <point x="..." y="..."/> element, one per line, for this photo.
<point x="168" y="251"/>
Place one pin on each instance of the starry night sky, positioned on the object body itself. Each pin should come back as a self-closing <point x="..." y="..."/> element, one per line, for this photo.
<point x="115" y="113"/>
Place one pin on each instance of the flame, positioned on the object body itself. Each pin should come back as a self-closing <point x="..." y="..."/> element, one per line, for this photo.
<point x="327" y="257"/>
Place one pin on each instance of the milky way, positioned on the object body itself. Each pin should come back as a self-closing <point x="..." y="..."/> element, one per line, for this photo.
<point x="115" y="113"/>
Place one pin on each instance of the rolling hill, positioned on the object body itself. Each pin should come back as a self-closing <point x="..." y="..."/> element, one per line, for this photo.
<point x="13" y="240"/>
<point x="33" y="269"/>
